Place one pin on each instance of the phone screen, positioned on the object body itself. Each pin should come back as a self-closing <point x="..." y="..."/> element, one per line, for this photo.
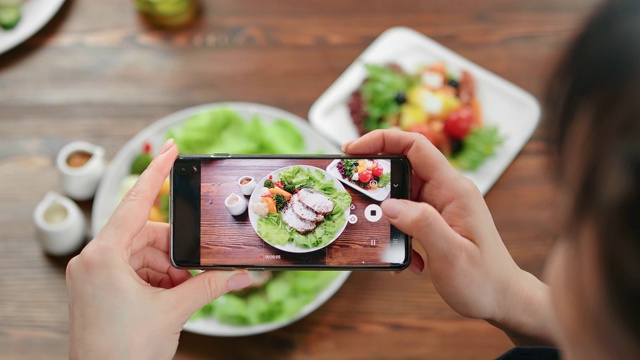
<point x="296" y="212"/>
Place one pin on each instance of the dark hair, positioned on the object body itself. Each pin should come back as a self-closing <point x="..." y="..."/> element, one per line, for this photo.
<point x="593" y="103"/>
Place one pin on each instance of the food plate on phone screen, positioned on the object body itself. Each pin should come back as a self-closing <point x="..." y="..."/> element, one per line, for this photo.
<point x="309" y="220"/>
<point x="504" y="115"/>
<point x="379" y="191"/>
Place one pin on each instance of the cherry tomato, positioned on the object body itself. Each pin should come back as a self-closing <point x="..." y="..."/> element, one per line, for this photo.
<point x="458" y="123"/>
<point x="146" y="148"/>
<point x="377" y="171"/>
<point x="365" y="176"/>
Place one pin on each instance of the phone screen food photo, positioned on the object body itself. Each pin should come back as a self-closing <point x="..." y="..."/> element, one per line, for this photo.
<point x="298" y="212"/>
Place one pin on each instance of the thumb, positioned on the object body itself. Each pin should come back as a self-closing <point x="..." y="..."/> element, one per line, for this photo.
<point x="424" y="223"/>
<point x="205" y="287"/>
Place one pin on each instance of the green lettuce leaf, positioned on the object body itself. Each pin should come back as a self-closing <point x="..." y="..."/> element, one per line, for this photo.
<point x="274" y="230"/>
<point x="223" y="130"/>
<point x="477" y="147"/>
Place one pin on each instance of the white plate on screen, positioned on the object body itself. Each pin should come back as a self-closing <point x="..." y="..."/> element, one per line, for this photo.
<point x="513" y="110"/>
<point x="106" y="198"/>
<point x="255" y="198"/>
<point x="35" y="15"/>
<point x="378" y="194"/>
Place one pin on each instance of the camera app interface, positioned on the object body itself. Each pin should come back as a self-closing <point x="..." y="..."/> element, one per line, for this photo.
<point x="280" y="212"/>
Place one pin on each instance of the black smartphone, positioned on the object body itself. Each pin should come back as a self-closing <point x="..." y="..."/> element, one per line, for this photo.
<point x="317" y="212"/>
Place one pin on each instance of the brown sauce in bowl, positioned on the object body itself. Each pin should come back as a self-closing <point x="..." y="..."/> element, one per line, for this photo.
<point x="78" y="159"/>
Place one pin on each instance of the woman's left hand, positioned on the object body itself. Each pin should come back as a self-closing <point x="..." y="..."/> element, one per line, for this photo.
<point x="126" y="300"/>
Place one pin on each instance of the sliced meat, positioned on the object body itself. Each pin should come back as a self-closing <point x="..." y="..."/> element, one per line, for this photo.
<point x="304" y="212"/>
<point x="316" y="201"/>
<point x="294" y="221"/>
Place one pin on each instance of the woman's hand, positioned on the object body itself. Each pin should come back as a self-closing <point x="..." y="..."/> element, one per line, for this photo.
<point x="126" y="300"/>
<point x="467" y="260"/>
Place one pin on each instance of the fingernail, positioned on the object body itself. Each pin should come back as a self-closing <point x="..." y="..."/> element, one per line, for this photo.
<point x="166" y="146"/>
<point x="414" y="268"/>
<point x="345" y="145"/>
<point x="391" y="208"/>
<point x="239" y="281"/>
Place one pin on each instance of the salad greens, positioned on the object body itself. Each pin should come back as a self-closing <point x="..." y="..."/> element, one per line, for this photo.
<point x="479" y="146"/>
<point x="431" y="101"/>
<point x="385" y="179"/>
<point x="281" y="299"/>
<point x="224" y="130"/>
<point x="380" y="91"/>
<point x="275" y="231"/>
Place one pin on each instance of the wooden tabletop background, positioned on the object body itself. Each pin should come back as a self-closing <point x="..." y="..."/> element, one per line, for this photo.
<point x="97" y="73"/>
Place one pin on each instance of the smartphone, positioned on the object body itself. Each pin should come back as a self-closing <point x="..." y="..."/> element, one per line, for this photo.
<point x="318" y="212"/>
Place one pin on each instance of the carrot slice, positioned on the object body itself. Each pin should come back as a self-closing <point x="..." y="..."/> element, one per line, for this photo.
<point x="270" y="203"/>
<point x="277" y="190"/>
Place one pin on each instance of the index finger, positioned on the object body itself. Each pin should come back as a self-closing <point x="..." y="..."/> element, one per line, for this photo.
<point x="133" y="211"/>
<point x="427" y="161"/>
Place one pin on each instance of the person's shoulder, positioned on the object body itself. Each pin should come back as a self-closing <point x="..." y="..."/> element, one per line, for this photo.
<point x="531" y="353"/>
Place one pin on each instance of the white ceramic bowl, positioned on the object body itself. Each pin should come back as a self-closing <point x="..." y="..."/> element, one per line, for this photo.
<point x="247" y="189"/>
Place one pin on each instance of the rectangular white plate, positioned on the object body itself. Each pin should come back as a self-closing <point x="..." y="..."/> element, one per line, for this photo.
<point x="513" y="110"/>
<point x="377" y="194"/>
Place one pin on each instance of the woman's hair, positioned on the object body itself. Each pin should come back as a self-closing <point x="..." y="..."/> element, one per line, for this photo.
<point x="593" y="103"/>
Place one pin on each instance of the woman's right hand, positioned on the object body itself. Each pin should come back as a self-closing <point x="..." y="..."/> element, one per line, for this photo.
<point x="467" y="260"/>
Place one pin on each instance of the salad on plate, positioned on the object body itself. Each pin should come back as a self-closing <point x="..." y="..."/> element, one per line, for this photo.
<point x="372" y="177"/>
<point x="432" y="101"/>
<point x="299" y="208"/>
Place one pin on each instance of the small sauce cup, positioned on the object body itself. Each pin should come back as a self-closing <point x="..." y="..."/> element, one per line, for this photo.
<point x="247" y="184"/>
<point x="81" y="165"/>
<point x="235" y="204"/>
<point x="60" y="225"/>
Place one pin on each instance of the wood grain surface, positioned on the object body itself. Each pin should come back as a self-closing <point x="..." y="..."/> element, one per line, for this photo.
<point x="96" y="72"/>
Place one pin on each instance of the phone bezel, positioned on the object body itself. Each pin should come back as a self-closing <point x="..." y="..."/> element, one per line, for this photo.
<point x="186" y="254"/>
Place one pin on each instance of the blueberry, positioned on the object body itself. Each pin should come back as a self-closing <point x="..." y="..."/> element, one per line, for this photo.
<point x="456" y="146"/>
<point x="453" y="83"/>
<point x="401" y="98"/>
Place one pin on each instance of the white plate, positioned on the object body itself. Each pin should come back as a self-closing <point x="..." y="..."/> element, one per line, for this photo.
<point x="35" y="15"/>
<point x="513" y="110"/>
<point x="255" y="198"/>
<point x="106" y="198"/>
<point x="378" y="194"/>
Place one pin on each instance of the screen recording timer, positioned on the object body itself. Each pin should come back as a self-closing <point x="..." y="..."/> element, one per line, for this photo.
<point x="295" y="212"/>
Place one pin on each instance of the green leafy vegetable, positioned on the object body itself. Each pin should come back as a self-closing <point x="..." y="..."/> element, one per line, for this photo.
<point x="477" y="147"/>
<point x="140" y="163"/>
<point x="385" y="179"/>
<point x="224" y="130"/>
<point x="379" y="92"/>
<point x="280" y="299"/>
<point x="280" y="201"/>
<point x="290" y="188"/>
<point x="269" y="184"/>
<point x="275" y="231"/>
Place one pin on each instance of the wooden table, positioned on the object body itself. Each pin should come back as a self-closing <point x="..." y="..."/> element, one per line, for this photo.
<point x="97" y="73"/>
